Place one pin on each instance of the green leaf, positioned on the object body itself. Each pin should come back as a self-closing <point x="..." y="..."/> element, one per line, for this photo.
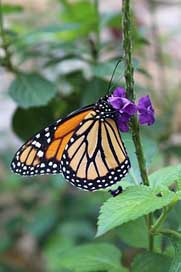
<point x="135" y="202"/>
<point x="6" y="8"/>
<point x="29" y="90"/>
<point x="53" y="250"/>
<point x="174" y="221"/>
<point x="36" y="118"/>
<point x="92" y="257"/>
<point x="135" y="233"/>
<point x="149" y="262"/>
<point x="103" y="70"/>
<point x="165" y="177"/>
<point x="79" y="12"/>
<point x="93" y="90"/>
<point x="176" y="262"/>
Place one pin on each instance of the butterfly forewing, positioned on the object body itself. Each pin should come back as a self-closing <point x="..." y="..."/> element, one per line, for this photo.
<point x="43" y="152"/>
<point x="30" y="158"/>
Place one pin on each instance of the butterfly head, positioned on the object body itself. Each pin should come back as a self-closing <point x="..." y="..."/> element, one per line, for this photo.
<point x="104" y="108"/>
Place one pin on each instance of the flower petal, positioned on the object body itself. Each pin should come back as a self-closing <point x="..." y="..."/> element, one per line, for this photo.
<point x="123" y="126"/>
<point x="115" y="102"/>
<point x="146" y="111"/>
<point x="119" y="92"/>
<point x="144" y="102"/>
<point x="130" y="108"/>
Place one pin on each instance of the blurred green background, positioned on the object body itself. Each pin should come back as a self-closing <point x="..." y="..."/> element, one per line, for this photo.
<point x="55" y="57"/>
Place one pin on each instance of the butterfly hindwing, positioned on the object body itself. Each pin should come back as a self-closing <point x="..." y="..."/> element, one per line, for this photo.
<point x="95" y="156"/>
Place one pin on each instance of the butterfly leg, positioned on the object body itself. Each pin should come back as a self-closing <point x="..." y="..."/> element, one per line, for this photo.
<point x="116" y="192"/>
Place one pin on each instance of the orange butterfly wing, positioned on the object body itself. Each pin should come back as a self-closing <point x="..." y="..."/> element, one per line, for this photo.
<point x="42" y="153"/>
<point x="95" y="157"/>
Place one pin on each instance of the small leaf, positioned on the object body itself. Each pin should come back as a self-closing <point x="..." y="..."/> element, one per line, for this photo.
<point x="165" y="176"/>
<point x="93" y="257"/>
<point x="149" y="262"/>
<point x="135" y="202"/>
<point x="29" y="90"/>
<point x="6" y="8"/>
<point x="176" y="262"/>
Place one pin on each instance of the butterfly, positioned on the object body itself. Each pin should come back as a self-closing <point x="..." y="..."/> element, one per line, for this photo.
<point x="86" y="147"/>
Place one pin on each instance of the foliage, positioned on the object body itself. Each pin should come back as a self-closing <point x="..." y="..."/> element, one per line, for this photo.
<point x="134" y="203"/>
<point x="58" y="65"/>
<point x="93" y="257"/>
<point x="29" y="90"/>
<point x="149" y="261"/>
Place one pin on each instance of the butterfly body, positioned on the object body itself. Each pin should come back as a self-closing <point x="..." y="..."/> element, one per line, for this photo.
<point x="85" y="147"/>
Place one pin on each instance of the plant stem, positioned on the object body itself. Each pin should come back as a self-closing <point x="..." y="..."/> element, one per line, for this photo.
<point x="129" y="79"/>
<point x="160" y="220"/>
<point x="170" y="232"/>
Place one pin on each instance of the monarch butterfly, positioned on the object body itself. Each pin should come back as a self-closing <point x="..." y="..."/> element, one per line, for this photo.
<point x="85" y="147"/>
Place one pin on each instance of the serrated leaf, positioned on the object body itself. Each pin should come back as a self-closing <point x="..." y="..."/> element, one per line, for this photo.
<point x="165" y="176"/>
<point x="133" y="203"/>
<point x="92" y="257"/>
<point x="149" y="262"/>
<point x="29" y="90"/>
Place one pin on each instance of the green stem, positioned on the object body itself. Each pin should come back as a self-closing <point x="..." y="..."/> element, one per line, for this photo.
<point x="160" y="220"/>
<point x="163" y="215"/>
<point x="129" y="79"/>
<point x="170" y="232"/>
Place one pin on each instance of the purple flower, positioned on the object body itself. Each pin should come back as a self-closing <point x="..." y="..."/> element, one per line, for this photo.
<point x="146" y="111"/>
<point x="124" y="107"/>
<point x="122" y="121"/>
<point x="119" y="92"/>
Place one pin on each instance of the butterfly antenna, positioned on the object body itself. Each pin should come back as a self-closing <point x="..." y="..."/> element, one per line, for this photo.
<point x="111" y="80"/>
